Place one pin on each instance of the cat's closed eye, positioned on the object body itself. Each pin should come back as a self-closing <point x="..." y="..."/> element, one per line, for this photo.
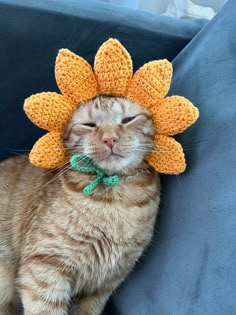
<point x="127" y="120"/>
<point x="90" y="124"/>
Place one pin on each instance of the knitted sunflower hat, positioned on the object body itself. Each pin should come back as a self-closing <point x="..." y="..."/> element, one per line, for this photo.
<point x="113" y="76"/>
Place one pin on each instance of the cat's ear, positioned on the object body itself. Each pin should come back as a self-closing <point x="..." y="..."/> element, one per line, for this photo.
<point x="49" y="110"/>
<point x="167" y="156"/>
<point x="75" y="77"/>
<point x="173" y="115"/>
<point x="150" y="83"/>
<point x="113" y="68"/>
<point x="49" y="151"/>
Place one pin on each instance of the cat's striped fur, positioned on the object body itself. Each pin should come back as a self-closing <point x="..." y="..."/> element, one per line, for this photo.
<point x="58" y="246"/>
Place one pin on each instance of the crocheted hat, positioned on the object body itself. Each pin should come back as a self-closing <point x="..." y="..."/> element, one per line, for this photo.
<point x="113" y="75"/>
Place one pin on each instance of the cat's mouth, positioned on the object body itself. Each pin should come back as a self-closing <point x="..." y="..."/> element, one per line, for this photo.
<point x="112" y="156"/>
<point x="111" y="162"/>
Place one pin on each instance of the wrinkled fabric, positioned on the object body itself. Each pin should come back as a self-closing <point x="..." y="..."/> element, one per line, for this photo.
<point x="190" y="267"/>
<point x="32" y="32"/>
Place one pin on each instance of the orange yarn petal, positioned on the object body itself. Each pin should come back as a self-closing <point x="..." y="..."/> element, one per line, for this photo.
<point x="150" y="83"/>
<point x="168" y="156"/>
<point x="173" y="115"/>
<point x="49" y="110"/>
<point x="49" y="151"/>
<point x="75" y="77"/>
<point x="113" y="68"/>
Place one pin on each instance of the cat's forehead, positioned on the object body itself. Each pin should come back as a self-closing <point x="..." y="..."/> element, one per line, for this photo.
<point x="113" y="108"/>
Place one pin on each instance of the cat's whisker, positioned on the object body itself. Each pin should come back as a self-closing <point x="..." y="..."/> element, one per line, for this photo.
<point x="194" y="144"/>
<point x="87" y="164"/>
<point x="54" y="169"/>
<point x="45" y="173"/>
<point x="65" y="169"/>
<point x="74" y="146"/>
<point x="25" y="156"/>
<point x="140" y="150"/>
<point x="146" y="147"/>
<point x="180" y="182"/>
<point x="21" y="150"/>
<point x="162" y="150"/>
<point x="47" y="150"/>
<point x="146" y="142"/>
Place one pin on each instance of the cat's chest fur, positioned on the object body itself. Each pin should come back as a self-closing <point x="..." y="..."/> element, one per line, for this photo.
<point x="102" y="234"/>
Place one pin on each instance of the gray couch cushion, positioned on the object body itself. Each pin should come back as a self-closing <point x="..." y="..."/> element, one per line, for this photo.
<point x="190" y="268"/>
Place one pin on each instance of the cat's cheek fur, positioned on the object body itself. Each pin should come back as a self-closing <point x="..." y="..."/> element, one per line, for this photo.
<point x="148" y="129"/>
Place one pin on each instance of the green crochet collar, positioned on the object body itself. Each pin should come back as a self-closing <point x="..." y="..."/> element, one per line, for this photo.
<point x="90" y="167"/>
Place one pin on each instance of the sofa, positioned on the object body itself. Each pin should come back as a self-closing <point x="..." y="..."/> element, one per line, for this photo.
<point x="189" y="269"/>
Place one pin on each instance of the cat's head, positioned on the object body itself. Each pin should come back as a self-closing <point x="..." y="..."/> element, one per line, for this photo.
<point x="116" y="133"/>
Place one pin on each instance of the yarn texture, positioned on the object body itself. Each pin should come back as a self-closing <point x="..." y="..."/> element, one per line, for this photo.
<point x="89" y="167"/>
<point x="51" y="146"/>
<point x="112" y="75"/>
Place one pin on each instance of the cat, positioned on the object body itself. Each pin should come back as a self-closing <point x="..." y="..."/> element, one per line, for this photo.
<point x="62" y="252"/>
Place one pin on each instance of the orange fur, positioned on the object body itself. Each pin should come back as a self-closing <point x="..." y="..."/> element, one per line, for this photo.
<point x="56" y="243"/>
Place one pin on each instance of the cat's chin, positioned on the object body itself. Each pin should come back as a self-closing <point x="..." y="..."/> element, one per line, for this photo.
<point x="117" y="164"/>
<point x="111" y="164"/>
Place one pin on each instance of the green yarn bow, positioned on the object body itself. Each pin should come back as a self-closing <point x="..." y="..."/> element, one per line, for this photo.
<point x="91" y="168"/>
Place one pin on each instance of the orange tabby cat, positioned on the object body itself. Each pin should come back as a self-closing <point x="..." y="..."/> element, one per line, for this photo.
<point x="59" y="245"/>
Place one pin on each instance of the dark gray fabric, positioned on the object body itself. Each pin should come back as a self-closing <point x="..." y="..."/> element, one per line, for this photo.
<point x="32" y="32"/>
<point x="190" y="269"/>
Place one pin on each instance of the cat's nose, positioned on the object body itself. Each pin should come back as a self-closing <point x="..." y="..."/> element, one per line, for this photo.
<point x="110" y="141"/>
